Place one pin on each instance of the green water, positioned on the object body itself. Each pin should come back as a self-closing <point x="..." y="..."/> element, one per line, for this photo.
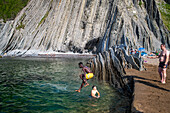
<point x="48" y="86"/>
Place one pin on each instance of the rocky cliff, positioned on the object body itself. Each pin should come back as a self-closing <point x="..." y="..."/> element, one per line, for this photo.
<point x="84" y="26"/>
<point x="109" y="66"/>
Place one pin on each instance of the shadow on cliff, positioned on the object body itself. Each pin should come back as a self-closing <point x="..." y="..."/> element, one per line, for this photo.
<point x="149" y="84"/>
<point x="92" y="45"/>
<point x="167" y="1"/>
<point x="135" y="111"/>
<point x="146" y="79"/>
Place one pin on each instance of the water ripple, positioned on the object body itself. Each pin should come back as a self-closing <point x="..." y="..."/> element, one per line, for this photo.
<point x="29" y="85"/>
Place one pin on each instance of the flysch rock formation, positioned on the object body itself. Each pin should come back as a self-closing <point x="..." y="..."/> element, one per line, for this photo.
<point x="109" y="66"/>
<point x="83" y="26"/>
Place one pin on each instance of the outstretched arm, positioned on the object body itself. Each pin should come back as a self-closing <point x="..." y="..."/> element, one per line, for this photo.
<point x="98" y="94"/>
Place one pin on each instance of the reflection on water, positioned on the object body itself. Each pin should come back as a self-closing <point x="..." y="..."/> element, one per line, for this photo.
<point x="48" y="85"/>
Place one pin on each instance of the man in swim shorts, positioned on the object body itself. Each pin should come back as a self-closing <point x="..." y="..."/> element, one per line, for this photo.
<point x="87" y="75"/>
<point x="163" y="63"/>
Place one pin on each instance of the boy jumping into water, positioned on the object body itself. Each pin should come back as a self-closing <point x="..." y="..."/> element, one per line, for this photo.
<point x="87" y="75"/>
<point x="94" y="91"/>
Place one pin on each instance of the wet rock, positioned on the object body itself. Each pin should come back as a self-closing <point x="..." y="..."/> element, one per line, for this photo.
<point x="108" y="66"/>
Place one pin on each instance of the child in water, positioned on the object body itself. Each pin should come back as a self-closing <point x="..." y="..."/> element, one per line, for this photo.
<point x="94" y="91"/>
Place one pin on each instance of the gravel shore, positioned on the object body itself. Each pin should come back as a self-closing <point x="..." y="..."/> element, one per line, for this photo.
<point x="150" y="95"/>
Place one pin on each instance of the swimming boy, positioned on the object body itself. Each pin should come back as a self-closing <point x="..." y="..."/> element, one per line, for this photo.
<point x="94" y="91"/>
<point x="87" y="75"/>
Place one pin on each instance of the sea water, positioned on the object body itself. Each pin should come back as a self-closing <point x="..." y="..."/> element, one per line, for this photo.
<point x="47" y="85"/>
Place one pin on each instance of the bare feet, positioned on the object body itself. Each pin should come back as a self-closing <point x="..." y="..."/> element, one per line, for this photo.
<point x="86" y="85"/>
<point x="78" y="91"/>
<point x="163" y="82"/>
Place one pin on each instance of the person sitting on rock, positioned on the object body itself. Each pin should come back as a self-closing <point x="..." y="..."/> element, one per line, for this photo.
<point x="87" y="75"/>
<point x="152" y="54"/>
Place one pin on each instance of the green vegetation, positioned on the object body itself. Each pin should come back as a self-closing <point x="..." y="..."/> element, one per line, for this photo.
<point x="165" y="13"/>
<point x="10" y="8"/>
<point x="140" y="3"/>
<point x="45" y="16"/>
<point x="43" y="19"/>
<point x="135" y="16"/>
<point x="21" y="25"/>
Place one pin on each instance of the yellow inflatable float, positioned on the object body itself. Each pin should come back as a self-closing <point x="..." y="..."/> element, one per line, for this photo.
<point x="89" y="75"/>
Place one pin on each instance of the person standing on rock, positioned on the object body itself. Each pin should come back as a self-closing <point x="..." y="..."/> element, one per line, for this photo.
<point x="87" y="75"/>
<point x="163" y="63"/>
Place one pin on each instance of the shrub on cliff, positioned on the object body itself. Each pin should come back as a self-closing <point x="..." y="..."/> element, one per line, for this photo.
<point x="165" y="13"/>
<point x="10" y="8"/>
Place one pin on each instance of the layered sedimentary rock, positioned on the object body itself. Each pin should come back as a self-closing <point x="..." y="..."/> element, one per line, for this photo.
<point x="109" y="66"/>
<point x="84" y="26"/>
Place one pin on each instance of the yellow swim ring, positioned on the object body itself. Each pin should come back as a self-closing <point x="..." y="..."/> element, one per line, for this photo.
<point x="89" y="75"/>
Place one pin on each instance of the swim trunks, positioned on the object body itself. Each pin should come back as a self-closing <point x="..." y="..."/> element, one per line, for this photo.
<point x="162" y="64"/>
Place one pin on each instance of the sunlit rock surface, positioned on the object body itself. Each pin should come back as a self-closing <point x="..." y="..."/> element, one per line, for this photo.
<point x="109" y="66"/>
<point x="82" y="26"/>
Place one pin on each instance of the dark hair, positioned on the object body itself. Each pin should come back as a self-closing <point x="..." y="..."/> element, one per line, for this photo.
<point x="80" y="63"/>
<point x="93" y="86"/>
<point x="162" y="44"/>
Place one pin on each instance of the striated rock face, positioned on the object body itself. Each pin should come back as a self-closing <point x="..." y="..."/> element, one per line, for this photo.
<point x="109" y="66"/>
<point x="84" y="26"/>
